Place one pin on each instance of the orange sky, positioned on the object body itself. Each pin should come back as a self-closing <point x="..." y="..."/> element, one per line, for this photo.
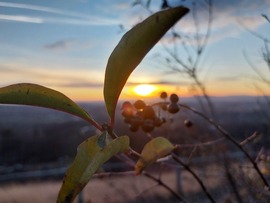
<point x="67" y="48"/>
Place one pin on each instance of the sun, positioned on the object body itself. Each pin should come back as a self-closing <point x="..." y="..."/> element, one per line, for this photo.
<point x="144" y="89"/>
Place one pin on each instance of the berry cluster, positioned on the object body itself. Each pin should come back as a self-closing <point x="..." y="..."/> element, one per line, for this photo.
<point x="171" y="107"/>
<point x="139" y="115"/>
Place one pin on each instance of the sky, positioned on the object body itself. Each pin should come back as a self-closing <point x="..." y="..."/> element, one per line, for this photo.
<point x="65" y="45"/>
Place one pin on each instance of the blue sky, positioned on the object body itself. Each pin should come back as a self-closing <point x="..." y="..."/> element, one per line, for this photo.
<point x="65" y="44"/>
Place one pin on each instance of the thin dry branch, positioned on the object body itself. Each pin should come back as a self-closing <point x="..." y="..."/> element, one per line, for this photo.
<point x="229" y="137"/>
<point x="203" y="144"/>
<point x="250" y="138"/>
<point x="126" y="159"/>
<point x="266" y="17"/>
<point x="175" y="158"/>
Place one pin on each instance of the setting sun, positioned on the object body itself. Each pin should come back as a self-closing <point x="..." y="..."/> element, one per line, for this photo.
<point x="144" y="89"/>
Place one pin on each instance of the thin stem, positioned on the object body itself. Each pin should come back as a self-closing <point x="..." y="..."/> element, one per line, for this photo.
<point x="266" y="17"/>
<point x="248" y="139"/>
<point x="204" y="144"/>
<point x="205" y="95"/>
<point x="175" y="158"/>
<point x="131" y="163"/>
<point x="114" y="135"/>
<point x="231" y="139"/>
<point x="160" y="182"/>
<point x="232" y="181"/>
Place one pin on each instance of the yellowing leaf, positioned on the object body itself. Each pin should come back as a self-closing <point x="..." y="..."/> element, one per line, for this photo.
<point x="36" y="95"/>
<point x="132" y="48"/>
<point x="90" y="157"/>
<point x="153" y="150"/>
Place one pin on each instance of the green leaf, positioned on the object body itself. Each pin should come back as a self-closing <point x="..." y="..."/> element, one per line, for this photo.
<point x="153" y="150"/>
<point x="36" y="95"/>
<point x="132" y="48"/>
<point x="90" y="157"/>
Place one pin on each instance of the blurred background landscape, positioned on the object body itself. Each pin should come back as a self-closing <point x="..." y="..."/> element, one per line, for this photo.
<point x="38" y="144"/>
<point x="217" y="59"/>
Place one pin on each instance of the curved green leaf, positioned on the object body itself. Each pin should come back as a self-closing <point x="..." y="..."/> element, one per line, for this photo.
<point x="90" y="157"/>
<point x="36" y="95"/>
<point x="153" y="150"/>
<point x="132" y="48"/>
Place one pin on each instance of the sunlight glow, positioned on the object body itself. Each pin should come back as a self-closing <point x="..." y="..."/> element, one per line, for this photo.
<point x="144" y="89"/>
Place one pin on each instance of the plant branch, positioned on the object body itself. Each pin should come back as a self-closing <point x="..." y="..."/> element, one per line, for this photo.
<point x="160" y="182"/>
<point x="231" y="139"/>
<point x="126" y="159"/>
<point x="248" y="139"/>
<point x="266" y="17"/>
<point x="175" y="158"/>
<point x="203" y="144"/>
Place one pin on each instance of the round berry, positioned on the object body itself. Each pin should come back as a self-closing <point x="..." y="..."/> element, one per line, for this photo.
<point x="133" y="128"/>
<point x="158" y="122"/>
<point x="173" y="108"/>
<point x="139" y="104"/>
<point x="127" y="112"/>
<point x="139" y="113"/>
<point x="136" y="120"/>
<point x="163" y="95"/>
<point x="126" y="104"/>
<point x="174" y="98"/>
<point x="127" y="109"/>
<point x="148" y="113"/>
<point x="188" y="123"/>
<point x="148" y="125"/>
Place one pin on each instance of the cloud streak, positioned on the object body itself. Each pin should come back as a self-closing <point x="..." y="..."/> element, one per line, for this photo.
<point x="67" y="17"/>
<point x="58" y="78"/>
<point x="19" y="18"/>
<point x="60" y="45"/>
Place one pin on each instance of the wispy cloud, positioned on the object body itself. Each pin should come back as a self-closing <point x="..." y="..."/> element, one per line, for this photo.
<point x="54" y="78"/>
<point x="229" y="17"/>
<point x="18" y="18"/>
<point x="228" y="78"/>
<point x="64" y="17"/>
<point x="60" y="45"/>
<point x="68" y="45"/>
<point x="161" y="82"/>
<point x="80" y="85"/>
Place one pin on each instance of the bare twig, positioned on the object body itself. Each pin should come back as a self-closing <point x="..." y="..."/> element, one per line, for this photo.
<point x="190" y="68"/>
<point x="266" y="17"/>
<point x="259" y="155"/>
<point x="255" y="33"/>
<point x="232" y="181"/>
<point x="160" y="182"/>
<point x="248" y="139"/>
<point x="203" y="144"/>
<point x="175" y="158"/>
<point x="231" y="139"/>
<point x="146" y="190"/>
<point x="126" y="159"/>
<point x="191" y="154"/>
